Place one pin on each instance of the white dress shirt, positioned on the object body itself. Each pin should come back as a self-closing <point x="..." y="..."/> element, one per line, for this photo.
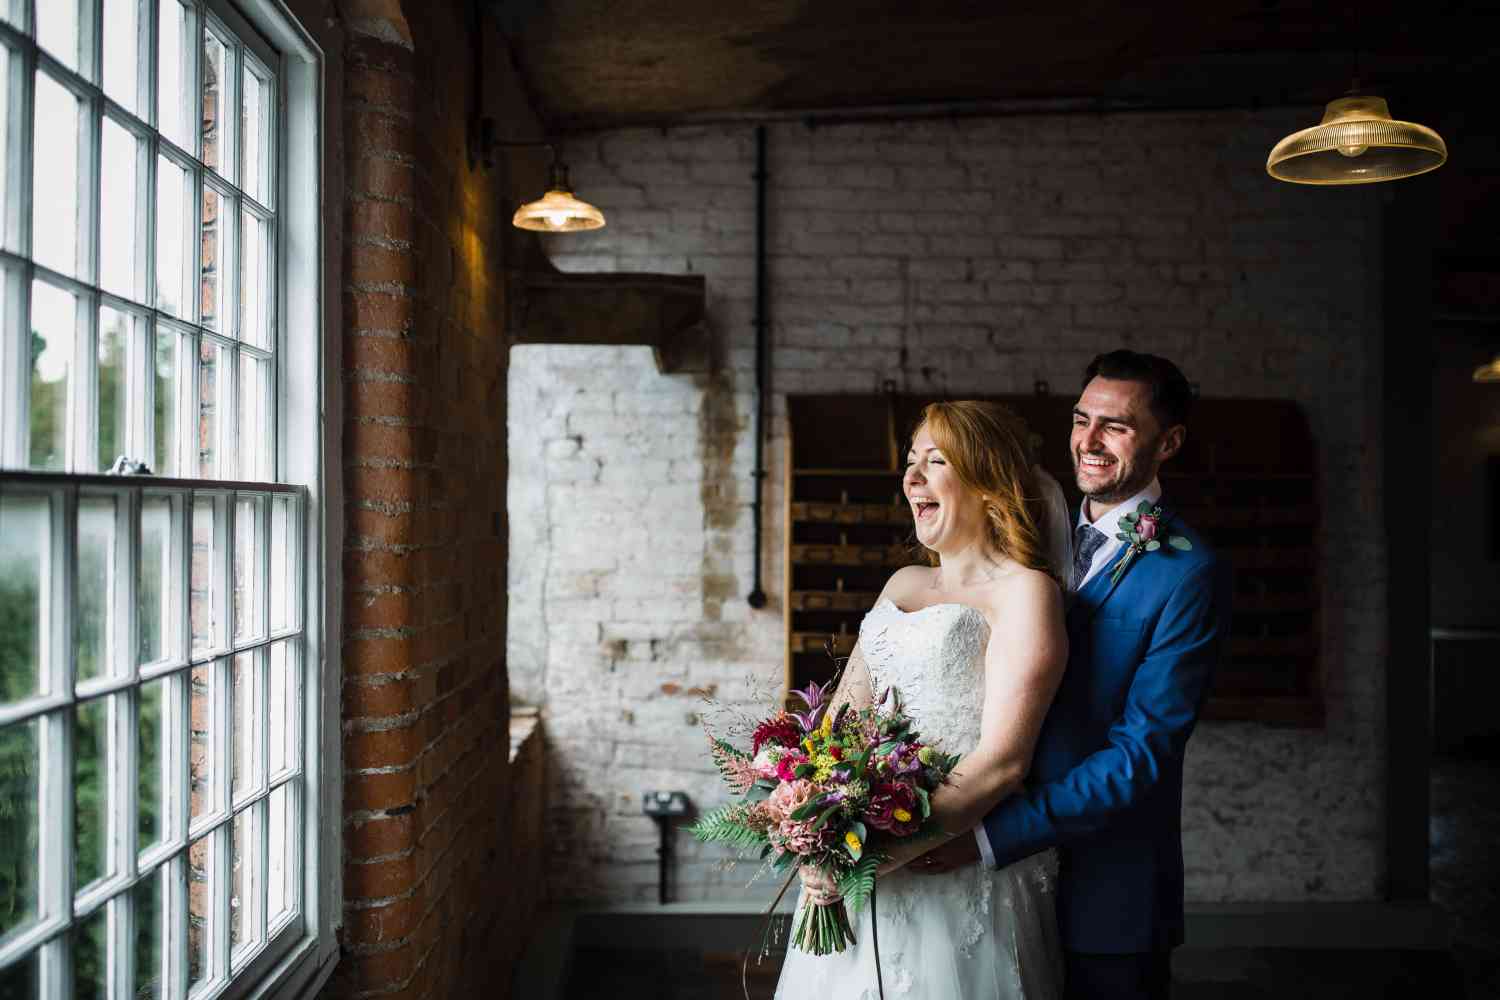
<point x="1109" y="524"/>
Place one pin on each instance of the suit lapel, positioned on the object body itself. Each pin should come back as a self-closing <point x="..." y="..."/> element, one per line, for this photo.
<point x="1102" y="585"/>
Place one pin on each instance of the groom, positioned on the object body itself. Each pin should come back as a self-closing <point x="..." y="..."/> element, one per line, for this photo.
<point x="1106" y="776"/>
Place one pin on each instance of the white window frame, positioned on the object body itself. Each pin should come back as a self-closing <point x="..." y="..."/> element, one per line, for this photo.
<point x="301" y="455"/>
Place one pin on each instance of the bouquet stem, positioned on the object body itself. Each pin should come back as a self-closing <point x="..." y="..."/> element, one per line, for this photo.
<point x="823" y="930"/>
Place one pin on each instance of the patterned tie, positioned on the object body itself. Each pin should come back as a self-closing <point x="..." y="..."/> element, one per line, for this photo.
<point x="1086" y="542"/>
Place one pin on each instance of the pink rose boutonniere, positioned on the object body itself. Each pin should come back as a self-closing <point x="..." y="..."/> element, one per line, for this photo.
<point x="1141" y="530"/>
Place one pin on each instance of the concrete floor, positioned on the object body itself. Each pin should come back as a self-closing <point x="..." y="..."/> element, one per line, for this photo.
<point x="1465" y="834"/>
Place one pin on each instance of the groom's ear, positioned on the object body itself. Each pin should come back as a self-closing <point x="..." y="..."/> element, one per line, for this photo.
<point x="1171" y="442"/>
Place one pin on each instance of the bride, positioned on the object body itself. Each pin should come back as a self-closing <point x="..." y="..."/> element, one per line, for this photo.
<point x="976" y="645"/>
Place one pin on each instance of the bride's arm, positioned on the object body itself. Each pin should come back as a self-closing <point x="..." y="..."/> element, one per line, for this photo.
<point x="1023" y="665"/>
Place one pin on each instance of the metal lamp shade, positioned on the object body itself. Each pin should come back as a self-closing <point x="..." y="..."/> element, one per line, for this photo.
<point x="558" y="211"/>
<point x="1356" y="143"/>
<point x="1489" y="372"/>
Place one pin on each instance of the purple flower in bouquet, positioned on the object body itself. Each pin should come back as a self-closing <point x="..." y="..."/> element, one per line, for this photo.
<point x="893" y="808"/>
<point x="814" y="697"/>
<point x="904" y="760"/>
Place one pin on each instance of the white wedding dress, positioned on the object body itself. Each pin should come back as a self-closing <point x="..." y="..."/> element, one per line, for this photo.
<point x="964" y="935"/>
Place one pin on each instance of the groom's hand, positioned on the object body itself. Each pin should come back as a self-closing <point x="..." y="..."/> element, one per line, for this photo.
<point x="956" y="853"/>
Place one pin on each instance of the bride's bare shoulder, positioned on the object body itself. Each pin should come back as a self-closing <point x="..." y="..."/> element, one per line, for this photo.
<point x="906" y="582"/>
<point x="1022" y="590"/>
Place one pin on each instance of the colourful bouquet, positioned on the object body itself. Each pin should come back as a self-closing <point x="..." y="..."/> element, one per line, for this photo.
<point x="828" y="790"/>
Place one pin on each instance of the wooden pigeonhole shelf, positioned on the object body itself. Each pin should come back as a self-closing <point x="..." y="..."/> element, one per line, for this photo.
<point x="1246" y="480"/>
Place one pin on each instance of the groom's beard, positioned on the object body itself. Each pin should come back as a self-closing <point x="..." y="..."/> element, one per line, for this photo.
<point x="1130" y="477"/>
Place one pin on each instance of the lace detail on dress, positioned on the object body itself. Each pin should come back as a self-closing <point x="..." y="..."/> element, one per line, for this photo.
<point x="970" y="933"/>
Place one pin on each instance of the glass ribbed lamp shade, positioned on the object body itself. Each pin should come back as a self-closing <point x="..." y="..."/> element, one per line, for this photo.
<point x="558" y="211"/>
<point x="1356" y="143"/>
<point x="1489" y="372"/>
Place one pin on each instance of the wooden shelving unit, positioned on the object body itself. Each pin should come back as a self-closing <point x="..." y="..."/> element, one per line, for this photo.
<point x="1245" y="480"/>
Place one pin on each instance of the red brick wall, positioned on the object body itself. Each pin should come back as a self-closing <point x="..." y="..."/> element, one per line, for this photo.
<point x="427" y="795"/>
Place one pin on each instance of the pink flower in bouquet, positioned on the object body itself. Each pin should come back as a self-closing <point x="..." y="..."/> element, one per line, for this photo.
<point x="893" y="808"/>
<point x="766" y="760"/>
<point x="1147" y="527"/>
<point x="801" y="838"/>
<point x="792" y="835"/>
<point x="787" y="798"/>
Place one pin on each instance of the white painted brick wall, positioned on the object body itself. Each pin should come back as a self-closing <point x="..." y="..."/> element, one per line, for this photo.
<point x="966" y="257"/>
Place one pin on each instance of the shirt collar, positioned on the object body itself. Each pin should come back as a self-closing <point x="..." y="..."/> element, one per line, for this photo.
<point x="1109" y="524"/>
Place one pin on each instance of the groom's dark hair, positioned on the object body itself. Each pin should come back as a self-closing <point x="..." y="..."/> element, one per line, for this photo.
<point x="1171" y="393"/>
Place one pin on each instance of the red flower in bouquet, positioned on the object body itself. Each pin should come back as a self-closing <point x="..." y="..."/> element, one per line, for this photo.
<point x="786" y="767"/>
<point x="780" y="729"/>
<point x="893" y="808"/>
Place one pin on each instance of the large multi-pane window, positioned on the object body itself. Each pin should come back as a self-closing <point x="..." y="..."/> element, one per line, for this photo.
<point x="154" y="536"/>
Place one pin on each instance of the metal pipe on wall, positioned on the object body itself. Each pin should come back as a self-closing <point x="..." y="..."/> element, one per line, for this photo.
<point x="757" y="595"/>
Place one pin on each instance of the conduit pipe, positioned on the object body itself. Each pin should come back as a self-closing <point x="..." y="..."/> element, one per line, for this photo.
<point x="757" y="595"/>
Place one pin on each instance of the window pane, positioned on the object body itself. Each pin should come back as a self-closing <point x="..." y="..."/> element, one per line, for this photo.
<point x="25" y="583"/>
<point x="54" y="320"/>
<point x="173" y="74"/>
<point x="90" y="941"/>
<point x="150" y="912"/>
<point x="114" y="413"/>
<point x="256" y="433"/>
<point x="118" y="237"/>
<point x="91" y="764"/>
<point x="55" y="180"/>
<point x="7" y="59"/>
<point x="257" y="105"/>
<point x="154" y="756"/>
<point x="20" y="856"/>
<point x="20" y="981"/>
<point x="57" y="30"/>
<point x="245" y="698"/>
<point x="96" y="619"/>
<point x="122" y="45"/>
<point x="205" y="609"/>
<point x="164" y="421"/>
<point x="212" y="273"/>
<point x="244" y="911"/>
<point x="281" y="893"/>
<point x="213" y="389"/>
<point x="200" y="750"/>
<point x="157" y="588"/>
<point x="284" y="527"/>
<point x="254" y="291"/>
<point x="201" y="872"/>
<point x="173" y="216"/>
<point x="218" y="87"/>
<point x="284" y="716"/>
<point x="249" y="587"/>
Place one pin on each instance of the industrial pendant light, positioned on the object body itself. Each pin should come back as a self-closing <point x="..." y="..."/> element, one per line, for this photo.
<point x="1357" y="142"/>
<point x="558" y="211"/>
<point x="1489" y="372"/>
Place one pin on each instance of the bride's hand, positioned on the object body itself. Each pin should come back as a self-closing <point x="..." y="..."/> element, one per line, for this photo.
<point x="818" y="886"/>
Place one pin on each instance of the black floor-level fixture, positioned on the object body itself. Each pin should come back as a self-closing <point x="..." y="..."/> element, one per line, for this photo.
<point x="665" y="808"/>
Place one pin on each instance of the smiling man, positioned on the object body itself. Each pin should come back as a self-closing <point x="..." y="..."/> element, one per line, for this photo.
<point x="1145" y="628"/>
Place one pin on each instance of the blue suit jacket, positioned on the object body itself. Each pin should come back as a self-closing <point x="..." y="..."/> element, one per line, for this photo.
<point x="1106" y="776"/>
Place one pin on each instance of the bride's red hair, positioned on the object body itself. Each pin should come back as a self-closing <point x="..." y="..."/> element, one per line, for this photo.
<point x="988" y="448"/>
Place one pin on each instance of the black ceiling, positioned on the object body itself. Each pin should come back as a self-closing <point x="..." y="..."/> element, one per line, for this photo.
<point x="607" y="63"/>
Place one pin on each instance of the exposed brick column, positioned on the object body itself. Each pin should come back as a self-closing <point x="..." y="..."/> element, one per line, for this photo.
<point x="427" y="792"/>
<point x="384" y="487"/>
